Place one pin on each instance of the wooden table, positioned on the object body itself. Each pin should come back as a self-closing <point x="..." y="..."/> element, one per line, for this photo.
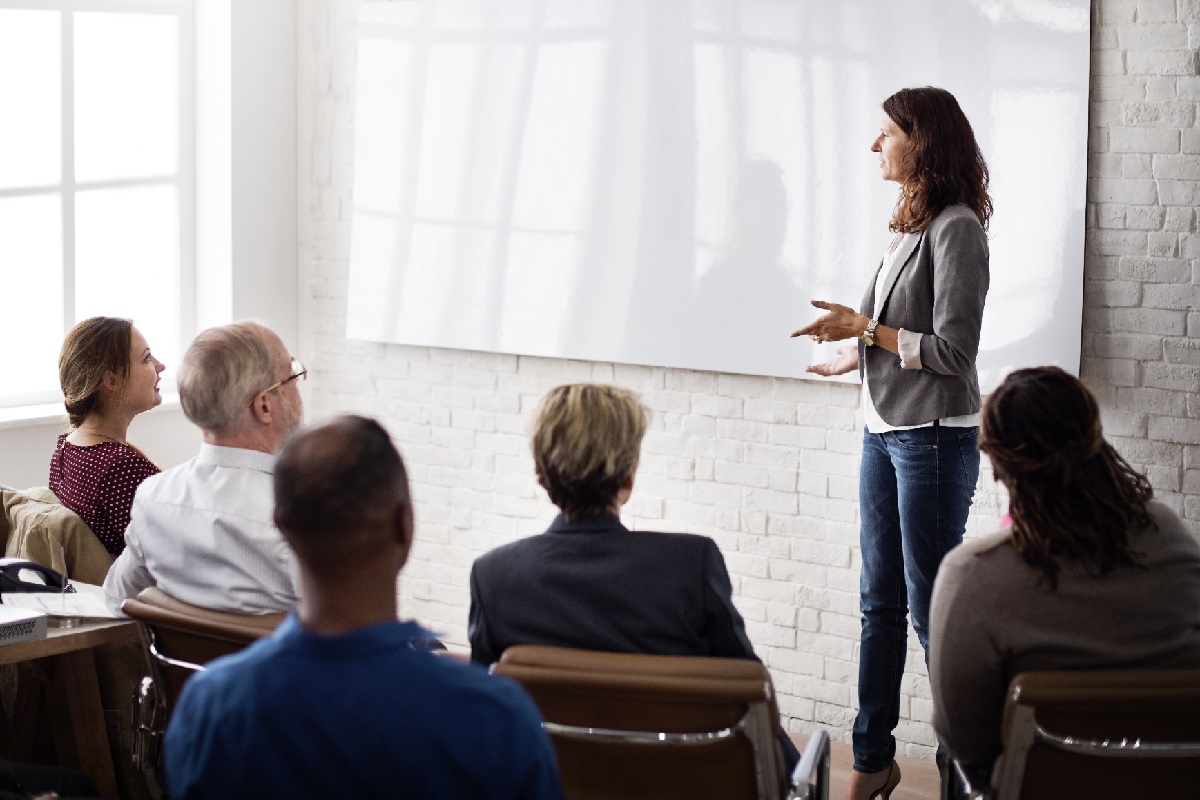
<point x="65" y="656"/>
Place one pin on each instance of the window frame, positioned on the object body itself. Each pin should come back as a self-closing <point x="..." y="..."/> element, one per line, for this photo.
<point x="67" y="188"/>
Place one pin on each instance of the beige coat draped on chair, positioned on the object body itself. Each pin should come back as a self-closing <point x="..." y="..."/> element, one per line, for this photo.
<point x="36" y="526"/>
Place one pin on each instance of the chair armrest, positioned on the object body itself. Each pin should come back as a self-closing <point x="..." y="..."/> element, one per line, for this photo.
<point x="810" y="779"/>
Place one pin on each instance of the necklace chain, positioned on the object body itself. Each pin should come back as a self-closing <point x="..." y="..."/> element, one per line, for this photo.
<point x="100" y="435"/>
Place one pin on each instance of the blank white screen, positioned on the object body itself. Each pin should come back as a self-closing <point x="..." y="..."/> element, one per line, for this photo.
<point x="670" y="182"/>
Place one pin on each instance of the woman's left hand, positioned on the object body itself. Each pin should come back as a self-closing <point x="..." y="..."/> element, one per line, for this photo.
<point x="841" y="322"/>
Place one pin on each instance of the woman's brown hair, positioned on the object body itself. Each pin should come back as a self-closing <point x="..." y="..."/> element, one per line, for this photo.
<point x="945" y="165"/>
<point x="92" y="349"/>
<point x="1071" y="495"/>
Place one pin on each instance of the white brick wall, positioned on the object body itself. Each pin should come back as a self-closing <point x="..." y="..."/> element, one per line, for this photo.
<point x="768" y="467"/>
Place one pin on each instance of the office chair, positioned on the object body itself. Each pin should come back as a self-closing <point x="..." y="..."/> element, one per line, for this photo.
<point x="642" y="726"/>
<point x="1097" y="734"/>
<point x="179" y="639"/>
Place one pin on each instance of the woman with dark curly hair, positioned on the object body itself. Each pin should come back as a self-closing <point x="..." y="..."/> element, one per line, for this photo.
<point x="108" y="377"/>
<point x="918" y="335"/>
<point x="1092" y="572"/>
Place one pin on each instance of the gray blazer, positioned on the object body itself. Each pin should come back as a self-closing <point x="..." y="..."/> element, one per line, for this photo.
<point x="937" y="289"/>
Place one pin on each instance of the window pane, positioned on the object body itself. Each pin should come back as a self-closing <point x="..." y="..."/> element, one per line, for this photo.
<point x="30" y="94"/>
<point x="126" y="96"/>
<point x="31" y="274"/>
<point x="126" y="262"/>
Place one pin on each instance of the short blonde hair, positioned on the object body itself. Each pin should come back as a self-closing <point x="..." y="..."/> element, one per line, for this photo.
<point x="222" y="370"/>
<point x="586" y="440"/>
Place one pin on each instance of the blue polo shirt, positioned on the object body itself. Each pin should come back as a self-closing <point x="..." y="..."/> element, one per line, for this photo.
<point x="359" y="715"/>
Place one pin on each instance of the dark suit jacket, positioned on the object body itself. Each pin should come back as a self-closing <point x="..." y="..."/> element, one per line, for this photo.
<point x="596" y="585"/>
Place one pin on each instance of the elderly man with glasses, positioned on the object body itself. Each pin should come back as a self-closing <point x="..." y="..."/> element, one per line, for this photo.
<point x="203" y="531"/>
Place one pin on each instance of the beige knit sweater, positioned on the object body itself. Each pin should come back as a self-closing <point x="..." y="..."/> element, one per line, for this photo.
<point x="994" y="617"/>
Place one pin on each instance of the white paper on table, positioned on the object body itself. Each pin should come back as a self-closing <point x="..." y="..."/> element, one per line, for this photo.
<point x="86" y="601"/>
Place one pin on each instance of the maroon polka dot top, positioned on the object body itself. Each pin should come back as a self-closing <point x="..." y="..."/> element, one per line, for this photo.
<point x="97" y="482"/>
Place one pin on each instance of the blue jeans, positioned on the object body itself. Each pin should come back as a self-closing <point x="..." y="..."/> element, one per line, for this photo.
<point x="915" y="491"/>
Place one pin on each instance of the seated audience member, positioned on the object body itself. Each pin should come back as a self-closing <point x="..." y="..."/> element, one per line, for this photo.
<point x="1092" y="573"/>
<point x="108" y="376"/>
<point x="202" y="531"/>
<point x="344" y="701"/>
<point x="589" y="582"/>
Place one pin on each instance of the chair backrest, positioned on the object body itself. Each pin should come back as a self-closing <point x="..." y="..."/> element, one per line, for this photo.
<point x="38" y="527"/>
<point x="1127" y="733"/>
<point x="641" y="726"/>
<point x="181" y="638"/>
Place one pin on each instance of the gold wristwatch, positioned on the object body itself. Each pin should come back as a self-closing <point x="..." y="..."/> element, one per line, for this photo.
<point x="868" y="336"/>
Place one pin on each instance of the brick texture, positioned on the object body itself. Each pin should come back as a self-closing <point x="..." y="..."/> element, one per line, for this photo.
<point x="768" y="467"/>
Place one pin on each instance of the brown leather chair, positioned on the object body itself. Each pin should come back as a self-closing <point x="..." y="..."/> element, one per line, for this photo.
<point x="1099" y="734"/>
<point x="180" y="639"/>
<point x="640" y="726"/>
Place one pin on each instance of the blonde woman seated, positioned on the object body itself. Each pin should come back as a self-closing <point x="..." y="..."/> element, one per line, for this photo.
<point x="589" y="582"/>
<point x="1092" y="573"/>
<point x="108" y="377"/>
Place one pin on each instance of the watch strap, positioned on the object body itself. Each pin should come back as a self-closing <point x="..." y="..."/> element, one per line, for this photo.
<point x="868" y="336"/>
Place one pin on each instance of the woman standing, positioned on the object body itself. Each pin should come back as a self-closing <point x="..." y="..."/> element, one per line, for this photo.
<point x="918" y="334"/>
<point x="108" y="377"/>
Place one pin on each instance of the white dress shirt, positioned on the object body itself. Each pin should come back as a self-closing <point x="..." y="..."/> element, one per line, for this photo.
<point x="203" y="533"/>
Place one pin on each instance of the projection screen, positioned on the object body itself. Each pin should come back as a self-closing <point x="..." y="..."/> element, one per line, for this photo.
<point x="669" y="182"/>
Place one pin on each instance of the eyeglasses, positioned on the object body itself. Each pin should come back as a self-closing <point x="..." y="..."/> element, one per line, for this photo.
<point x="299" y="373"/>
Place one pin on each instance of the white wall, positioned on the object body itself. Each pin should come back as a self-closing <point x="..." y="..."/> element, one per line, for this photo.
<point x="768" y="467"/>
<point x="246" y="164"/>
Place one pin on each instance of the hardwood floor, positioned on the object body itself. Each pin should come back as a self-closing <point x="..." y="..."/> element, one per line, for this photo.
<point x="919" y="779"/>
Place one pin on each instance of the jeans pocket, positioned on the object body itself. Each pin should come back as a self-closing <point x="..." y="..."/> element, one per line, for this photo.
<point x="916" y="438"/>
<point x="968" y="451"/>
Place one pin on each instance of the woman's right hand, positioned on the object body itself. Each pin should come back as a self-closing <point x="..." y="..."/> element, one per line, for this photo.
<point x="845" y="360"/>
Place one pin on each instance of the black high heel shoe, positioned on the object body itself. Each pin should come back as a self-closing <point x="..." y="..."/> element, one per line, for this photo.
<point x="865" y="780"/>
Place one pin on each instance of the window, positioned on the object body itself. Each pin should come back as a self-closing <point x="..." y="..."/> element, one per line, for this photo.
<point x="95" y="178"/>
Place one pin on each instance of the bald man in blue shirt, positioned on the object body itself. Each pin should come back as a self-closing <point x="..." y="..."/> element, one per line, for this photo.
<point x="344" y="700"/>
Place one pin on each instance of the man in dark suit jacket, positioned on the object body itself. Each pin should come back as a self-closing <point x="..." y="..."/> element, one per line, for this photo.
<point x="589" y="582"/>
